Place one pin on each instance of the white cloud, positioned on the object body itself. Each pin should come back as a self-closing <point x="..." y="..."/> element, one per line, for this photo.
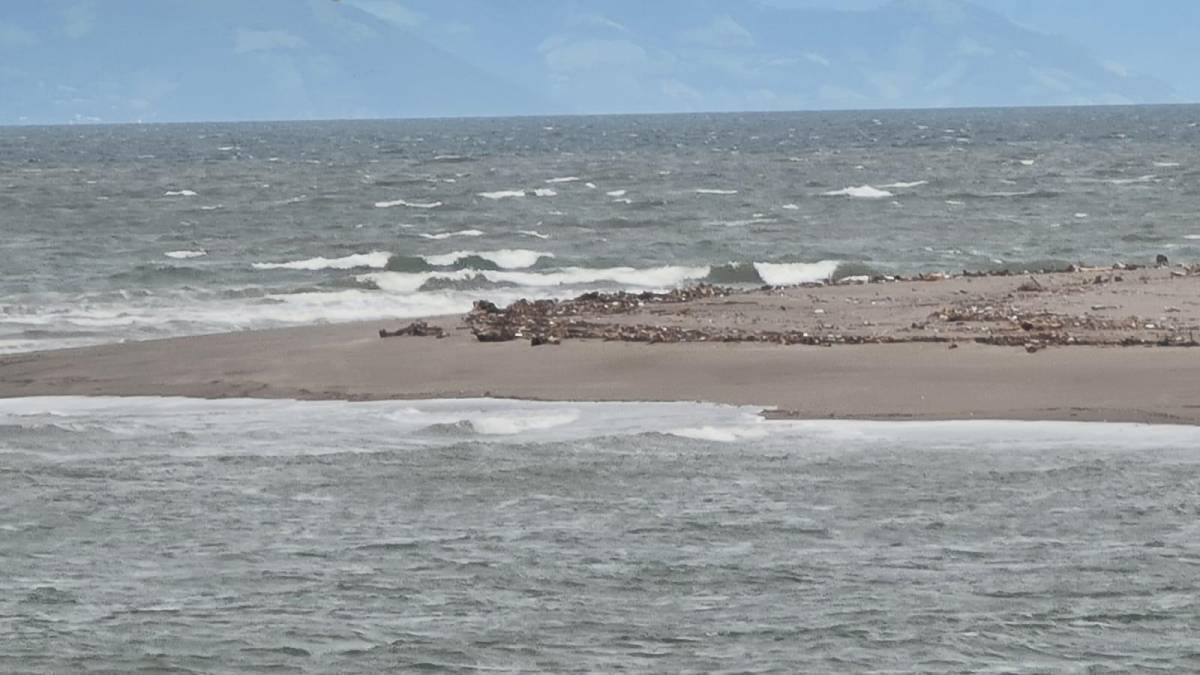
<point x="565" y="55"/>
<point x="15" y="37"/>
<point x="720" y="33"/>
<point x="246" y="40"/>
<point x="390" y="11"/>
<point x="79" y="20"/>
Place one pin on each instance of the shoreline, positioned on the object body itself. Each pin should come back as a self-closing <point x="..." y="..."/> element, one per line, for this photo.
<point x="949" y="363"/>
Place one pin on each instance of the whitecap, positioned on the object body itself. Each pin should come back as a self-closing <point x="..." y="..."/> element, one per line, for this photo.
<point x="721" y="434"/>
<point x="503" y="194"/>
<point x="713" y="191"/>
<point x="511" y="425"/>
<point x="1166" y="165"/>
<point x="590" y="186"/>
<point x="904" y="186"/>
<point x="376" y="259"/>
<point x="517" y="194"/>
<point x="860" y="192"/>
<point x="411" y="205"/>
<point x="447" y="235"/>
<point x="564" y="179"/>
<point x="791" y="207"/>
<point x="790" y="274"/>
<point x="184" y="255"/>
<point x="623" y="200"/>
<point x="533" y="233"/>
<point x="508" y="259"/>
<point x="652" y="277"/>
<point x="616" y="193"/>
<point x="180" y="193"/>
<point x="1028" y="162"/>
<point x="1148" y="178"/>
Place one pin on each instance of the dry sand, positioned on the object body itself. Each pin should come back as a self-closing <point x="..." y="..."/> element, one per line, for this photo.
<point x="899" y="379"/>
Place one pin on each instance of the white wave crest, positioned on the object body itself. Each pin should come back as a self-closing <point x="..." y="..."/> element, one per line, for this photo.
<point x="616" y="193"/>
<point x="510" y="425"/>
<point x="503" y="194"/>
<point x="904" y="186"/>
<point x="184" y="255"/>
<point x="180" y="193"/>
<point x="721" y="434"/>
<point x="1149" y="178"/>
<point x="447" y="235"/>
<point x="533" y="233"/>
<point x="860" y="192"/>
<point x="712" y="191"/>
<point x="508" y="258"/>
<point x="411" y="205"/>
<point x="564" y="179"/>
<point x="790" y="274"/>
<point x="517" y="194"/>
<point x="653" y="277"/>
<point x="375" y="259"/>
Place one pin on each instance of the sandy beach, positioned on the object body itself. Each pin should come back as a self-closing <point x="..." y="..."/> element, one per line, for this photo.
<point x="1091" y="345"/>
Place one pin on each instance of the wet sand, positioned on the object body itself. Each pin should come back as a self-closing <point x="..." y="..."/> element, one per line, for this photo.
<point x="931" y="352"/>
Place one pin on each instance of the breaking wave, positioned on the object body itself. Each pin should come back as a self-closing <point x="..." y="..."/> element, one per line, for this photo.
<point x="509" y="259"/>
<point x="375" y="259"/>
<point x="860" y="192"/>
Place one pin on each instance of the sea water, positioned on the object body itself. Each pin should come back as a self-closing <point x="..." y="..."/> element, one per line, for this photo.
<point x="131" y="232"/>
<point x="171" y="535"/>
<point x="174" y="535"/>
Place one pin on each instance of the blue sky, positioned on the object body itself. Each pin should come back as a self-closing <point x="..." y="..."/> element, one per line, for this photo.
<point x="178" y="60"/>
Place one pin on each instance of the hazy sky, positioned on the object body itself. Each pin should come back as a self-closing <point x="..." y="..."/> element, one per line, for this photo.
<point x="173" y="60"/>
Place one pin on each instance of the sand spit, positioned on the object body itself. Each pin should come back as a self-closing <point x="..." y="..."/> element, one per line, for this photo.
<point x="1086" y="344"/>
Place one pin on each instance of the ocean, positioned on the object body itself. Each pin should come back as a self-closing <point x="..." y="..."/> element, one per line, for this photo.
<point x="181" y="535"/>
<point x="119" y="233"/>
<point x="172" y="535"/>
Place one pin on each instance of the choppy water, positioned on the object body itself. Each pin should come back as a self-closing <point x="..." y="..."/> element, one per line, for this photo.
<point x="114" y="233"/>
<point x="184" y="536"/>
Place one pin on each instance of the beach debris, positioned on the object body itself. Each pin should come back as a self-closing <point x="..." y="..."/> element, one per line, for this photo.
<point x="1031" y="286"/>
<point x="415" y="329"/>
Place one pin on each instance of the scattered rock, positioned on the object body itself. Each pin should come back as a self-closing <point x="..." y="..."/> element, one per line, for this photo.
<point x="415" y="329"/>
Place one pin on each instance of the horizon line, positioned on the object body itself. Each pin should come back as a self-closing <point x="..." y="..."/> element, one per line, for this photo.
<point x="805" y="111"/>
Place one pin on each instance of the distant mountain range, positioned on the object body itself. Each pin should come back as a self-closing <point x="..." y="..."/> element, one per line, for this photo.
<point x="174" y="60"/>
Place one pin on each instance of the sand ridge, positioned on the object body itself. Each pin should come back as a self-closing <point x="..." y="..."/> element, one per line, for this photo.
<point x="966" y="374"/>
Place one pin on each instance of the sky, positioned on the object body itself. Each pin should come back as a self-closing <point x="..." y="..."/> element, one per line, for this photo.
<point x="65" y="61"/>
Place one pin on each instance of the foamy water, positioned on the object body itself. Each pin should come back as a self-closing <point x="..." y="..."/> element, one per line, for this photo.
<point x="489" y="535"/>
<point x="285" y="234"/>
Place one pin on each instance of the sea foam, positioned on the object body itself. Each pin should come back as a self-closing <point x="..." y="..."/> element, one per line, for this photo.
<point x="791" y="274"/>
<point x="449" y="235"/>
<point x="184" y="255"/>
<point x="376" y="259"/>
<point x="507" y="258"/>
<point x="411" y="205"/>
<point x="860" y="192"/>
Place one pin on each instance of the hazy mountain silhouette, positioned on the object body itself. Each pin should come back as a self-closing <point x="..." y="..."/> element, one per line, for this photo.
<point x="123" y="60"/>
